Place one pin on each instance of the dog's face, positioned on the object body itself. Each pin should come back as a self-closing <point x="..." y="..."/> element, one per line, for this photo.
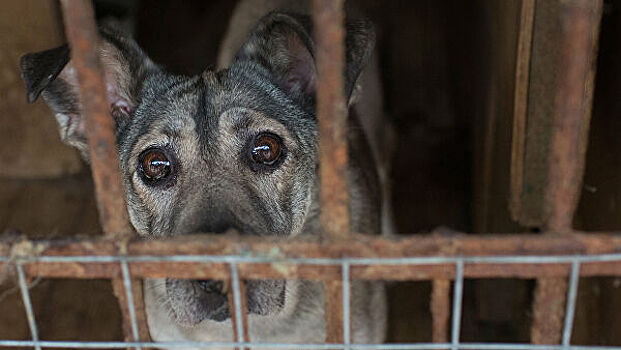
<point x="233" y="149"/>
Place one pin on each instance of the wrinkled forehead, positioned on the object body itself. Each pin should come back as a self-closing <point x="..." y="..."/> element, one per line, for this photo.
<point x="174" y="108"/>
<point x="164" y="112"/>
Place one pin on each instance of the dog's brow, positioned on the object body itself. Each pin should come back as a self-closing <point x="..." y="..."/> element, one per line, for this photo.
<point x="205" y="115"/>
<point x="241" y="123"/>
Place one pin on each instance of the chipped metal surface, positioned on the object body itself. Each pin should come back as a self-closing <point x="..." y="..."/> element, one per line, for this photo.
<point x="580" y="21"/>
<point x="328" y="17"/>
<point x="84" y="41"/>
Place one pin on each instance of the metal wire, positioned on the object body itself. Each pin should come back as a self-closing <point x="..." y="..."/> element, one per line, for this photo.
<point x="395" y="346"/>
<point x="23" y="286"/>
<point x="346" y="304"/>
<point x="238" y="302"/>
<point x="458" y="287"/>
<point x="236" y="259"/>
<point x="130" y="300"/>
<point x="345" y="264"/>
<point x="572" y="294"/>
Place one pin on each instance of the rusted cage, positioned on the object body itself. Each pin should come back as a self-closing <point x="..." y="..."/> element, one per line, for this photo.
<point x="557" y="258"/>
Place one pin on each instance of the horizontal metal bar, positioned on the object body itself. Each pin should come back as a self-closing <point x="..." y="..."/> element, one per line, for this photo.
<point x="234" y="259"/>
<point x="360" y="246"/>
<point x="394" y="346"/>
<point x="406" y="269"/>
<point x="509" y="256"/>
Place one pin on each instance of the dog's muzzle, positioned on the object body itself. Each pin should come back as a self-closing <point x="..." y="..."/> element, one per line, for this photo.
<point x="193" y="301"/>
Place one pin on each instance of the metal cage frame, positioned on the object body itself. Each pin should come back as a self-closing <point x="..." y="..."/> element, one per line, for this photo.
<point x="557" y="259"/>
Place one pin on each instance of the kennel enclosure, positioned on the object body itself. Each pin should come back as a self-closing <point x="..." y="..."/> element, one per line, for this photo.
<point x="556" y="258"/>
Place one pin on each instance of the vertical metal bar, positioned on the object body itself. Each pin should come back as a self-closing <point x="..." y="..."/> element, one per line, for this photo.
<point x="328" y="19"/>
<point x="580" y="21"/>
<point x="334" y="311"/>
<point x="548" y="310"/>
<point x="573" y="102"/>
<point x="120" y="292"/>
<point x="346" y="304"/>
<point x="32" y="323"/>
<point x="457" y="303"/>
<point x="244" y="309"/>
<point x="239" y="314"/>
<point x="571" y="303"/>
<point x="130" y="301"/>
<point x="100" y="129"/>
<point x="440" y="301"/>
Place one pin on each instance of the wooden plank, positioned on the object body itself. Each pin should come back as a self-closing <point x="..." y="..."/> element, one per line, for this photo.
<point x="520" y="105"/>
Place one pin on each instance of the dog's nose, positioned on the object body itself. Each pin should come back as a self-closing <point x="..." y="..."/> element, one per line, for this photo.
<point x="217" y="221"/>
<point x="212" y="286"/>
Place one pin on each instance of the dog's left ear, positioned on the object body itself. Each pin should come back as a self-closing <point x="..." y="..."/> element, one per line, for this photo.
<point x="51" y="73"/>
<point x="283" y="44"/>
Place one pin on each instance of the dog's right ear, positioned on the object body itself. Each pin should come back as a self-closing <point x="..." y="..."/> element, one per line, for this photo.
<point x="51" y="74"/>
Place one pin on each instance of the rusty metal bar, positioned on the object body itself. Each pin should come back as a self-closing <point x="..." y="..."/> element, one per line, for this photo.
<point x="413" y="258"/>
<point x="440" y="302"/>
<point x="120" y="292"/>
<point x="100" y="130"/>
<point x="216" y="246"/>
<point x="237" y="305"/>
<point x="572" y="115"/>
<point x="411" y="269"/>
<point x="548" y="310"/>
<point x="328" y="19"/>
<point x="84" y="40"/>
<point x="580" y="30"/>
<point x="334" y="311"/>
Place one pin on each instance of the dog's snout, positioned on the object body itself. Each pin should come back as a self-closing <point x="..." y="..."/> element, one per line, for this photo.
<point x="217" y="228"/>
<point x="212" y="286"/>
<point x="218" y="221"/>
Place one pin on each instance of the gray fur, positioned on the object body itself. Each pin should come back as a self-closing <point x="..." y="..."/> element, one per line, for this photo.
<point x="205" y="123"/>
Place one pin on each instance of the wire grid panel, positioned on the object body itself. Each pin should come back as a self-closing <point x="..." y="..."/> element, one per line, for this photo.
<point x="345" y="264"/>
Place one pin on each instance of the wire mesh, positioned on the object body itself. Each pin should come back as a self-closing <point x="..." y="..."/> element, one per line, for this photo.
<point x="32" y="323"/>
<point x="575" y="261"/>
<point x="130" y="300"/>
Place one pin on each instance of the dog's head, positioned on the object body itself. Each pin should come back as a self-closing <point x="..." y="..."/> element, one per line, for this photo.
<point x="236" y="148"/>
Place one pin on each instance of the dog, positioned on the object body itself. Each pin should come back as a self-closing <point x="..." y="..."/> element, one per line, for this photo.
<point x="234" y="148"/>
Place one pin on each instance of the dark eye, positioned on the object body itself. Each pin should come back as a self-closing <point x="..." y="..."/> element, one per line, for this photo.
<point x="267" y="149"/>
<point x="155" y="166"/>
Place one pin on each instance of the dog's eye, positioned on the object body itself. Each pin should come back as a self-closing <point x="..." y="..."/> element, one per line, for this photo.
<point x="155" y="166"/>
<point x="266" y="149"/>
